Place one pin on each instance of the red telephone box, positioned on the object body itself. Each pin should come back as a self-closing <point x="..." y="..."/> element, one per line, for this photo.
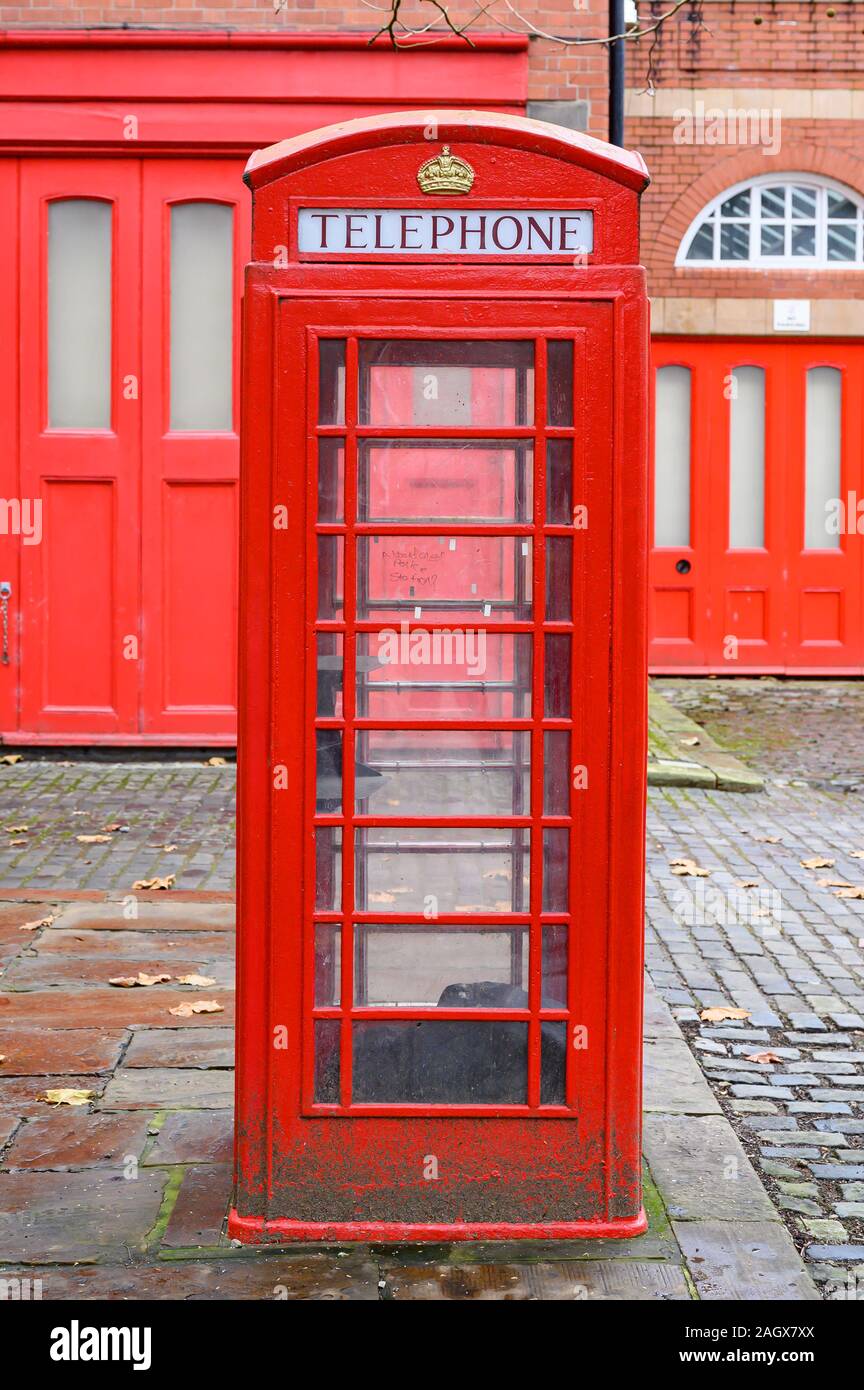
<point x="443" y="689"/>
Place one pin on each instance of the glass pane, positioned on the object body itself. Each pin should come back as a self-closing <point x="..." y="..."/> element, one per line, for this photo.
<point x="734" y="241"/>
<point x="559" y="585"/>
<point x="328" y="771"/>
<point x="822" y="457"/>
<point x="804" y="239"/>
<point x="841" y="241"/>
<point x="327" y="1035"/>
<point x="556" y="870"/>
<point x="841" y="207"/>
<point x="747" y="459"/>
<point x="328" y="954"/>
<point x="450" y="673"/>
<point x="482" y="384"/>
<point x="331" y="381"/>
<point x="331" y="479"/>
<point x="702" y="246"/>
<point x="774" y="202"/>
<point x="202" y="316"/>
<point x="559" y="482"/>
<point x="453" y="480"/>
<point x="736" y="206"/>
<point x="450" y="966"/>
<point x="556" y="677"/>
<point x="773" y="239"/>
<point x="555" y="966"/>
<point x="462" y="577"/>
<point x="559" y="384"/>
<point x="439" y="772"/>
<point x="79" y="314"/>
<point x="436" y="870"/>
<point x="329" y="663"/>
<point x="556" y="773"/>
<point x="553" y="1063"/>
<point x="672" y="457"/>
<point x="803" y="202"/>
<point x="441" y="1061"/>
<point x="331" y="571"/>
<point x="328" y="868"/>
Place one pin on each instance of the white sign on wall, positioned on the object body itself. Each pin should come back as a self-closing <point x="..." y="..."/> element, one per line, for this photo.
<point x="792" y="315"/>
<point x="446" y="231"/>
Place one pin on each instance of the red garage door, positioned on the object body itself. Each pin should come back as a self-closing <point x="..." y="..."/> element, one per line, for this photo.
<point x="125" y="609"/>
<point x="758" y="470"/>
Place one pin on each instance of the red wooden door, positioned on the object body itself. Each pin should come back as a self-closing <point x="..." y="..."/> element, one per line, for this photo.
<point x="129" y="346"/>
<point x="195" y="243"/>
<point x="80" y="446"/>
<point x="755" y="445"/>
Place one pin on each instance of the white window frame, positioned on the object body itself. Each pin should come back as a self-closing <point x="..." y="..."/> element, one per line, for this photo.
<point x="755" y="260"/>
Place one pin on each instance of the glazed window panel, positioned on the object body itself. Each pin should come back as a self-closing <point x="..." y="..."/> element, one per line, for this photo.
<point x="80" y="259"/>
<point x="202" y="316"/>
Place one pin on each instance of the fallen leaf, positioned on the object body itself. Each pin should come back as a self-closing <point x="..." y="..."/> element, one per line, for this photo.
<point x="832" y="883"/>
<point x="10" y="758"/>
<point x="130" y="981"/>
<point x="34" y="926"/>
<point x="16" y="829"/>
<point x="747" y="883"/>
<point x="817" y="862"/>
<point x="167" y="848"/>
<point x="762" y="1057"/>
<point x="93" y="839"/>
<point x="718" y="1012"/>
<point x="14" y="844"/>
<point x="199" y="981"/>
<point x="381" y="897"/>
<point x="115" y="825"/>
<point x="767" y="839"/>
<point x="67" y="1095"/>
<point x="153" y="883"/>
<point x="690" y="742"/>
<point x="852" y="890"/>
<point x="856" y="854"/>
<point x="216" y="762"/>
<point x="688" y="868"/>
<point x="200" y="1006"/>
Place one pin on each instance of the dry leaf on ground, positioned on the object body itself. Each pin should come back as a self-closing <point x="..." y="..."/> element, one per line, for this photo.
<point x="818" y="861"/>
<point x="200" y="1006"/>
<point x="690" y="742"/>
<point x="198" y="981"/>
<point x="42" y="922"/>
<point x="16" y="829"/>
<point x="719" y="1012"/>
<point x="767" y="839"/>
<point x="688" y="868"/>
<point x="93" y="839"/>
<point x="130" y="981"/>
<point x="67" y="1095"/>
<point x="10" y="758"/>
<point x="168" y="848"/>
<point x="216" y="762"/>
<point x="15" y="844"/>
<point x="763" y="1057"/>
<point x="154" y="883"/>
<point x="832" y="883"/>
<point x="851" y="890"/>
<point x="747" y="883"/>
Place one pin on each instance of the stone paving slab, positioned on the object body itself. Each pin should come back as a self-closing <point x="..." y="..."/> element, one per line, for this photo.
<point x="67" y="1138"/>
<point x="88" y="1215"/>
<point x="682" y="754"/>
<point x="39" y="1052"/>
<point x="168" y="1088"/>
<point x="745" y="1262"/>
<point x="308" y="1276"/>
<point x="561" y="1281"/>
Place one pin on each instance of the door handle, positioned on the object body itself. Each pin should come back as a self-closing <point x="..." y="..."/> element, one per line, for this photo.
<point x="683" y="566"/>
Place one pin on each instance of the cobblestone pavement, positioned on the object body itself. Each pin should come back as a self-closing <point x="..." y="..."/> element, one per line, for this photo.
<point x="166" y="818"/>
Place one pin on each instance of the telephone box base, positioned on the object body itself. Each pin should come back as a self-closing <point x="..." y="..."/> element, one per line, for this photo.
<point x="256" y="1230"/>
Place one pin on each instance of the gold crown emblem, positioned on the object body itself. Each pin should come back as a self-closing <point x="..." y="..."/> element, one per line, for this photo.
<point x="445" y="173"/>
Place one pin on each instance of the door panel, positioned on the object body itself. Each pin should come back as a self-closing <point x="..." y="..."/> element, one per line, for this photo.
<point x="195" y="243"/>
<point x="776" y="431"/>
<point x="80" y="446"/>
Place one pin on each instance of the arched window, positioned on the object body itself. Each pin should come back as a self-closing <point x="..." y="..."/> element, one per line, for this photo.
<point x="773" y="221"/>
